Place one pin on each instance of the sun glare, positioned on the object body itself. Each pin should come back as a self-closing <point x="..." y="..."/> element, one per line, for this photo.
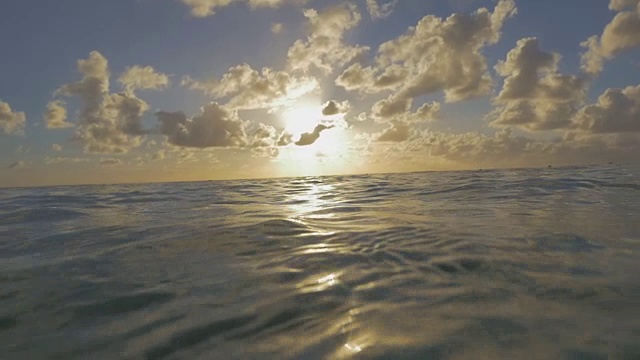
<point x="326" y="152"/>
<point x="301" y="118"/>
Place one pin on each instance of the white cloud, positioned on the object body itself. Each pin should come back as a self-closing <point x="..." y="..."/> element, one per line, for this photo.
<point x="534" y="95"/>
<point x="616" y="111"/>
<point x="56" y="115"/>
<point x="435" y="55"/>
<point x="204" y="8"/>
<point x="107" y="122"/>
<point x="250" y="89"/>
<point x="620" y="35"/>
<point x="143" y="77"/>
<point x="216" y="126"/>
<point x="324" y="48"/>
<point x="11" y="122"/>
<point x="377" y="11"/>
<point x="56" y="147"/>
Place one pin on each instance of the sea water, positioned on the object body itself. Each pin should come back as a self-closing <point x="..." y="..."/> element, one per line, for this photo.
<point x="495" y="264"/>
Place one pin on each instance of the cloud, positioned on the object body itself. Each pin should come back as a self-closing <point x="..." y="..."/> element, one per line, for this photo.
<point x="534" y="95"/>
<point x="616" y="111"/>
<point x="333" y="107"/>
<point x="277" y="28"/>
<point x="110" y="162"/>
<point x="377" y="11"/>
<point x="107" y="122"/>
<point x="312" y="137"/>
<point x="56" y="115"/>
<point x="504" y="149"/>
<point x="365" y="79"/>
<point x="16" y="165"/>
<point x="324" y="48"/>
<point x="216" y="126"/>
<point x="435" y="55"/>
<point x="263" y="136"/>
<point x="620" y="35"/>
<point x="398" y="132"/>
<point x="11" y="122"/>
<point x="56" y="147"/>
<point x="64" y="160"/>
<point x="285" y="139"/>
<point x="250" y="89"/>
<point x="143" y="77"/>
<point x="204" y="8"/>
<point x="395" y="108"/>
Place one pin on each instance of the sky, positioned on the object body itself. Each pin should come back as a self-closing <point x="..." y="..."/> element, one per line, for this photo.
<point x="179" y="90"/>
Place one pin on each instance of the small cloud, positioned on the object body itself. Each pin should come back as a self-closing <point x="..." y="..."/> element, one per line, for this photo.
<point x="277" y="28"/>
<point x="11" y="122"/>
<point x="139" y="77"/>
<point x="16" y="165"/>
<point x="110" y="162"/>
<point x="56" y="115"/>
<point x="377" y="11"/>
<point x="56" y="147"/>
<point x="64" y="160"/>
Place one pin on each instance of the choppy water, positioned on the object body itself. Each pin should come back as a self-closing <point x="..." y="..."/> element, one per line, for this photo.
<point x="527" y="264"/>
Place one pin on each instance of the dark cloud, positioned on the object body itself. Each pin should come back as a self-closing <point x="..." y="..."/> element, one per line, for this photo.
<point x="312" y="137"/>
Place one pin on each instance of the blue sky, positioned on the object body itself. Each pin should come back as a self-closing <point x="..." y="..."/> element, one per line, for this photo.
<point x="553" y="117"/>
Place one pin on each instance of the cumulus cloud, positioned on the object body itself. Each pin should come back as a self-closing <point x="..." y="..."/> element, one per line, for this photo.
<point x="398" y="132"/>
<point x="311" y="137"/>
<point x="396" y="108"/>
<point x="535" y="96"/>
<point x="249" y="89"/>
<point x="620" y="35"/>
<point x="11" y="122"/>
<point x="143" y="77"/>
<point x="204" y="8"/>
<point x="107" y="122"/>
<point x="333" y="107"/>
<point x="435" y="55"/>
<point x="324" y="47"/>
<point x="216" y="126"/>
<point x="616" y="111"/>
<point x="56" y="115"/>
<point x="366" y="80"/>
<point x="377" y="11"/>
<point x="264" y="136"/>
<point x="56" y="147"/>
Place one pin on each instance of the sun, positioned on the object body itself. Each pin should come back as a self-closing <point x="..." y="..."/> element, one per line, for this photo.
<point x="326" y="151"/>
<point x="301" y="118"/>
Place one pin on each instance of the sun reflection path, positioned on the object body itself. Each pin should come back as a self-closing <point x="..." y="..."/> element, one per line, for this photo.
<point x="316" y="198"/>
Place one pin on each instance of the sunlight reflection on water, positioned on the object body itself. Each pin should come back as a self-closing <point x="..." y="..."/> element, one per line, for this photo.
<point x="500" y="264"/>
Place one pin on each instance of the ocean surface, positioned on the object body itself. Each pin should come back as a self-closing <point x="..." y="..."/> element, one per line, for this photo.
<point x="496" y="264"/>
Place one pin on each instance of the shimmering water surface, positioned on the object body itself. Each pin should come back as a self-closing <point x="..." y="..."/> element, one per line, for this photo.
<point x="509" y="264"/>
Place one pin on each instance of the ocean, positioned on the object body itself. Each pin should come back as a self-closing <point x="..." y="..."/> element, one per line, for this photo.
<point x="493" y="264"/>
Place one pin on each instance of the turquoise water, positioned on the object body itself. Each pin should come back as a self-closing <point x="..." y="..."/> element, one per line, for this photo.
<point x="505" y="264"/>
